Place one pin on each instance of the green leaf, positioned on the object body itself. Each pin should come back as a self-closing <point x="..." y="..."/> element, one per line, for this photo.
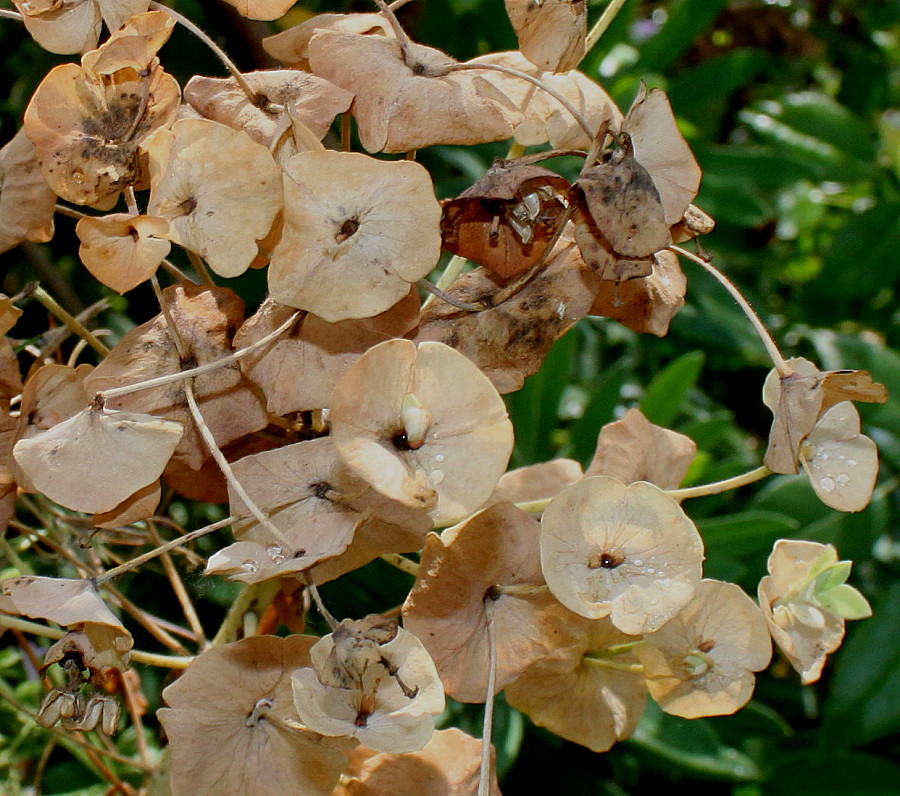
<point x="864" y="696"/>
<point x="845" y="601"/>
<point x="666" y="394"/>
<point x="745" y="533"/>
<point x="833" y="576"/>
<point x="693" y="746"/>
<point x="687" y="20"/>
<point x="853" y="774"/>
<point x="599" y="411"/>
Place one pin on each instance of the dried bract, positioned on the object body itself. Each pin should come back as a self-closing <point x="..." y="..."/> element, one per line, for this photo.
<point x="27" y="203"/>
<point x="551" y="33"/>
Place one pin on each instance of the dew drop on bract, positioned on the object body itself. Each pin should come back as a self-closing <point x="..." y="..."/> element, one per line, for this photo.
<point x="276" y="553"/>
<point x="250" y="567"/>
<point x="827" y="484"/>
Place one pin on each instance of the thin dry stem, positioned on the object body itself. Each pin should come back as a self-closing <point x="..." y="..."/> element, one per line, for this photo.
<point x="71" y="212"/>
<point x="146" y="621"/>
<point x="403" y="40"/>
<point x="600" y="26"/>
<point x="618" y="666"/>
<point x="438" y="293"/>
<point x="203" y="273"/>
<point x="175" y="271"/>
<point x="71" y="322"/>
<point x="5" y="12"/>
<point x="717" y="487"/>
<point x="403" y="563"/>
<point x="774" y="354"/>
<point x="487" y="726"/>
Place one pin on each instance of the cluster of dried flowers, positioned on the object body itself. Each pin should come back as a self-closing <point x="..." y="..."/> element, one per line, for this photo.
<point x="344" y="419"/>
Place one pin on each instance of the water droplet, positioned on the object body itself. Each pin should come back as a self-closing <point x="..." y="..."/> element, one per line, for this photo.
<point x="666" y="582"/>
<point x="439" y="457"/>
<point x="638" y="562"/>
<point x="78" y="176"/>
<point x="437" y="477"/>
<point x="249" y="567"/>
<point x="26" y="8"/>
<point x="851" y="462"/>
<point x="652" y="623"/>
<point x="276" y="553"/>
<point x="824" y="456"/>
<point x="827" y="484"/>
<point x="843" y="479"/>
<point x="654" y="601"/>
<point x="660" y="573"/>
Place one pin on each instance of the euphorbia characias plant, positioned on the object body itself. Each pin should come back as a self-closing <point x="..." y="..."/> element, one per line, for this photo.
<point x="357" y="413"/>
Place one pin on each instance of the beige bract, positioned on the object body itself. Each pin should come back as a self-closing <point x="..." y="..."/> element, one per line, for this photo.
<point x="72" y="26"/>
<point x="357" y="232"/>
<point x="402" y="106"/>
<point x="551" y="33"/>
<point x="805" y="601"/>
<point x="228" y="724"/>
<point x="122" y="250"/>
<point x="634" y="449"/>
<point x="422" y="425"/>
<point x="574" y="694"/>
<point x="800" y="398"/>
<point x="460" y="572"/>
<point x="97" y="458"/>
<point x="841" y="462"/>
<point x="545" y="119"/>
<point x="262" y="9"/>
<point x="87" y="128"/>
<point x="627" y="552"/>
<point x="27" y="203"/>
<point x="133" y="45"/>
<point x="373" y="683"/>
<point x="701" y="663"/>
<point x="213" y="208"/>
<point x="537" y="481"/>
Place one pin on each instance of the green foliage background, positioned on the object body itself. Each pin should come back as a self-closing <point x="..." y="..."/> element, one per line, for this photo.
<point x="791" y="108"/>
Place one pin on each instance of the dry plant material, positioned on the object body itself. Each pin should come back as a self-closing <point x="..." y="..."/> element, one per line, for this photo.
<point x="537" y="481"/>
<point x="510" y="340"/>
<point x="134" y="45"/>
<point x="139" y="506"/>
<point x="228" y="724"/>
<point x="357" y="233"/>
<point x="506" y="221"/>
<point x="214" y="209"/>
<point x="262" y="9"/>
<point x="545" y="119"/>
<point x="98" y="458"/>
<point x="841" y="462"/>
<point x="308" y="99"/>
<point x="448" y="765"/>
<point x="400" y="105"/>
<point x="627" y="552"/>
<point x="320" y="351"/>
<point x="702" y="662"/>
<point x="291" y="46"/>
<point x="799" y="398"/>
<point x="27" y="203"/>
<point x="634" y="449"/>
<point x="372" y="681"/>
<point x="806" y="601"/>
<point x="121" y="250"/>
<point x="569" y="694"/>
<point x="206" y="319"/>
<point x="423" y="425"/>
<point x="551" y="33"/>
<point x="87" y="128"/>
<point x="645" y="304"/>
<point x="459" y="571"/>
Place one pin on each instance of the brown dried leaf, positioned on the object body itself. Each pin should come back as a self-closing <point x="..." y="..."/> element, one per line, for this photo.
<point x="122" y="250"/>
<point x="634" y="449"/>
<point x="139" y="506"/>
<point x="551" y="33"/>
<point x="87" y="128"/>
<point x="213" y="209"/>
<point x="134" y="45"/>
<point x="458" y="572"/>
<point x="227" y="724"/>
<point x="60" y="27"/>
<point x="27" y="203"/>
<point x="401" y="107"/>
<point x="357" y="232"/>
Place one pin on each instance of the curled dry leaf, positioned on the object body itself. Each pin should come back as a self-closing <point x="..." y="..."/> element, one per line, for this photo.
<point x="95" y="647"/>
<point x="448" y="765"/>
<point x="134" y="45"/>
<point x="122" y="250"/>
<point x="402" y="106"/>
<point x="213" y="208"/>
<point x="571" y="695"/>
<point x="537" y="481"/>
<point x="461" y="570"/>
<point x="227" y="723"/>
<point x="634" y="449"/>
<point x="87" y="128"/>
<point x="320" y="351"/>
<point x="312" y="101"/>
<point x="505" y="221"/>
<point x="805" y="601"/>
<point x="423" y="426"/>
<point x="627" y="552"/>
<point x="800" y="398"/>
<point x="74" y="604"/>
<point x="384" y="692"/>
<point x="841" y="462"/>
<point x="701" y="663"/>
<point x="97" y="458"/>
<point x="545" y="119"/>
<point x="551" y="33"/>
<point x="205" y="318"/>
<point x="357" y="232"/>
<point x="27" y="203"/>
<point x="645" y="304"/>
<point x="291" y="46"/>
<point x="510" y="340"/>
